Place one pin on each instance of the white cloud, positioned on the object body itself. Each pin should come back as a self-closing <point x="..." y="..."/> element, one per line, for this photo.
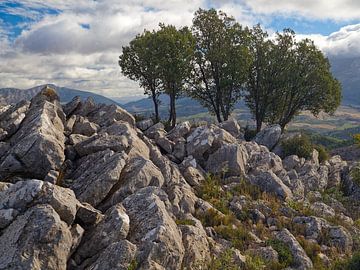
<point x="319" y="9"/>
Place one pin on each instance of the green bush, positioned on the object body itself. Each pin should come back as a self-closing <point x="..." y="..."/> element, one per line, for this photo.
<point x="185" y="222"/>
<point x="224" y="262"/>
<point x="285" y="256"/>
<point x="237" y="235"/>
<point x="323" y="153"/>
<point x="352" y="263"/>
<point x="299" y="145"/>
<point x="355" y="174"/>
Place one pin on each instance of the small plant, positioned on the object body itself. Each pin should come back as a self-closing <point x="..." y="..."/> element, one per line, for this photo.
<point x="254" y="263"/>
<point x="133" y="265"/>
<point x="185" y="222"/>
<point x="224" y="262"/>
<point x="355" y="174"/>
<point x="311" y="249"/>
<point x="237" y="235"/>
<point x="323" y="153"/>
<point x="352" y="263"/>
<point x="298" y="145"/>
<point x="285" y="256"/>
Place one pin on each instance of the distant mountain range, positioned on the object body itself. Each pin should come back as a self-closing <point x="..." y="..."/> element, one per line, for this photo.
<point x="14" y="95"/>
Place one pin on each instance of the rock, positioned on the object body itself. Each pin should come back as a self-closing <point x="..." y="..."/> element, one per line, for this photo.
<point x="70" y="124"/>
<point x="84" y="108"/>
<point x="153" y="130"/>
<point x="291" y="162"/>
<point x="101" y="142"/>
<point x="301" y="260"/>
<point x="268" y="254"/>
<point x="229" y="159"/>
<point x="145" y="124"/>
<point x="71" y="106"/>
<point x="7" y="216"/>
<point x="193" y="176"/>
<point x="336" y="165"/>
<point x="340" y="238"/>
<point x="38" y="231"/>
<point x="197" y="249"/>
<point x="269" y="182"/>
<point x="52" y="177"/>
<point x="84" y="127"/>
<point x="11" y="119"/>
<point x="24" y="194"/>
<point x="231" y="126"/>
<point x="180" y="130"/>
<point x="269" y="136"/>
<point x="322" y="210"/>
<point x="111" y="229"/>
<point x="138" y="173"/>
<point x="153" y="230"/>
<point x="96" y="175"/>
<point x="75" y="139"/>
<point x="88" y="215"/>
<point x="42" y="128"/>
<point x="106" y="115"/>
<point x="199" y="141"/>
<point x="179" y="149"/>
<point x="119" y="255"/>
<point x="165" y="144"/>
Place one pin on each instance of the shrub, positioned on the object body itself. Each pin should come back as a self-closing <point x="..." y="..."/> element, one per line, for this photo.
<point x="323" y="153"/>
<point x="311" y="249"/>
<point x="254" y="263"/>
<point x="298" y="145"/>
<point x="237" y="235"/>
<point x="352" y="263"/>
<point x="249" y="134"/>
<point x="224" y="262"/>
<point x="285" y="256"/>
<point x="355" y="174"/>
<point x="185" y="222"/>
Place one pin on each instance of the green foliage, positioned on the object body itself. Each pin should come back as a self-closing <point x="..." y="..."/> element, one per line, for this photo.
<point x="323" y="153"/>
<point x="285" y="256"/>
<point x="249" y="134"/>
<point x="312" y="249"/>
<point x="185" y="222"/>
<point x="352" y="263"/>
<point x="357" y="139"/>
<point x="298" y="145"/>
<point x="254" y="263"/>
<point x="221" y="61"/>
<point x="224" y="262"/>
<point x="133" y="265"/>
<point x="236" y="234"/>
<point x="355" y="174"/>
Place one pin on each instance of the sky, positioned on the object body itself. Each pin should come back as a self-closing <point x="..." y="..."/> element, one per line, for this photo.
<point x="76" y="43"/>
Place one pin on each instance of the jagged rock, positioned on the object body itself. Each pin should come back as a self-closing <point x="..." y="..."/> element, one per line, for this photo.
<point x="75" y="139"/>
<point x="84" y="127"/>
<point x="11" y="119"/>
<point x="322" y="210"/>
<point x="197" y="249"/>
<point x="37" y="231"/>
<point x="119" y="255"/>
<point x="81" y="108"/>
<point x="88" y="215"/>
<point x="38" y="145"/>
<point x="269" y="136"/>
<point x="70" y="124"/>
<point x="106" y="115"/>
<point x="138" y="173"/>
<point x="336" y="165"/>
<point x="4" y="147"/>
<point x="230" y="159"/>
<point x="231" y="126"/>
<point x="153" y="130"/>
<point x="264" y="161"/>
<point x="301" y="260"/>
<point x="291" y="162"/>
<point x="340" y="238"/>
<point x="153" y="230"/>
<point x="180" y="130"/>
<point x="71" y="106"/>
<point x="269" y="182"/>
<point x="52" y="177"/>
<point x="165" y="144"/>
<point x="96" y="175"/>
<point x="111" y="229"/>
<point x="179" y="150"/>
<point x="145" y="124"/>
<point x="7" y="216"/>
<point x="193" y="176"/>
<point x="199" y="141"/>
<point x="268" y="254"/>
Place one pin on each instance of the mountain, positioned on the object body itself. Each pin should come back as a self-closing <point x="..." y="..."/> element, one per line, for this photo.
<point x="14" y="95"/>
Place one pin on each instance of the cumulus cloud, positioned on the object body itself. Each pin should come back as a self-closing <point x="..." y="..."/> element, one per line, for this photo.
<point x="319" y="9"/>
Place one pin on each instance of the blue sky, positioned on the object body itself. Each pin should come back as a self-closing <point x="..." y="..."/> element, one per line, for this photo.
<point x="77" y="43"/>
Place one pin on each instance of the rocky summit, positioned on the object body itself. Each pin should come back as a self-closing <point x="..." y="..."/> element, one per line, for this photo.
<point x="86" y="186"/>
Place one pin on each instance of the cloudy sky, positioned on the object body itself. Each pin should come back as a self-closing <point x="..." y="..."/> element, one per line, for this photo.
<point x="76" y="43"/>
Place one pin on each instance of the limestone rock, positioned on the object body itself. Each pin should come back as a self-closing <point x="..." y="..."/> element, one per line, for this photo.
<point x="180" y="130"/>
<point x="145" y="124"/>
<point x="269" y="136"/>
<point x="84" y="127"/>
<point x="231" y="126"/>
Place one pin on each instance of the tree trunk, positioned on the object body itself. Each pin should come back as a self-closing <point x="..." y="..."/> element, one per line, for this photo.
<point x="156" y="107"/>
<point x="258" y="125"/>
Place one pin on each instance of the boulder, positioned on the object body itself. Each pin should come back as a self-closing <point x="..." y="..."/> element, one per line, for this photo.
<point x="229" y="159"/>
<point x="153" y="130"/>
<point x="231" y="126"/>
<point x="180" y="130"/>
<point x="38" y="145"/>
<point x="145" y="124"/>
<point x="96" y="174"/>
<point x="84" y="127"/>
<point x="152" y="229"/>
<point x="106" y="115"/>
<point x="37" y="239"/>
<point x="336" y="166"/>
<point x="71" y="106"/>
<point x="301" y="260"/>
<point x="269" y="136"/>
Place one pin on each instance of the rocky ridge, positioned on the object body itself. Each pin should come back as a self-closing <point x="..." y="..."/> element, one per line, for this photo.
<point x="85" y="186"/>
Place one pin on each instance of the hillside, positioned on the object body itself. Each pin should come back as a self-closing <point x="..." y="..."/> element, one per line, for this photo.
<point x="14" y="95"/>
<point x="92" y="192"/>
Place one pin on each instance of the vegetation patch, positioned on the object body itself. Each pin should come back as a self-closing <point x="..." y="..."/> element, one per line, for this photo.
<point x="285" y="256"/>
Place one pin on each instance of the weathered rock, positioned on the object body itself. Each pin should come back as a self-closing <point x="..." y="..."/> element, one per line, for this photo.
<point x="84" y="127"/>
<point x="179" y="149"/>
<point x="291" y="162"/>
<point x="153" y="130"/>
<point x="301" y="260"/>
<point x="153" y="230"/>
<point x="38" y="145"/>
<point x="71" y="106"/>
<point x="88" y="215"/>
<point x="231" y="126"/>
<point x="322" y="210"/>
<point x="119" y="255"/>
<point x="268" y="254"/>
<point x="106" y="115"/>
<point x="111" y="229"/>
<point x="138" y="173"/>
<point x="193" y="176"/>
<point x="38" y="239"/>
<point x="7" y="216"/>
<point x="269" y="182"/>
<point x="145" y="124"/>
<point x="230" y="159"/>
<point x="269" y="136"/>
<point x="336" y="166"/>
<point x="180" y="130"/>
<point x="199" y="141"/>
<point x="75" y="139"/>
<point x="96" y="175"/>
<point x="340" y="238"/>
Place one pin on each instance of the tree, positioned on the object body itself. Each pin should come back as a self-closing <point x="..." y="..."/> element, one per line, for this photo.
<point x="262" y="76"/>
<point x="175" y="52"/>
<point x="139" y="63"/>
<point x="220" y="63"/>
<point x="304" y="80"/>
